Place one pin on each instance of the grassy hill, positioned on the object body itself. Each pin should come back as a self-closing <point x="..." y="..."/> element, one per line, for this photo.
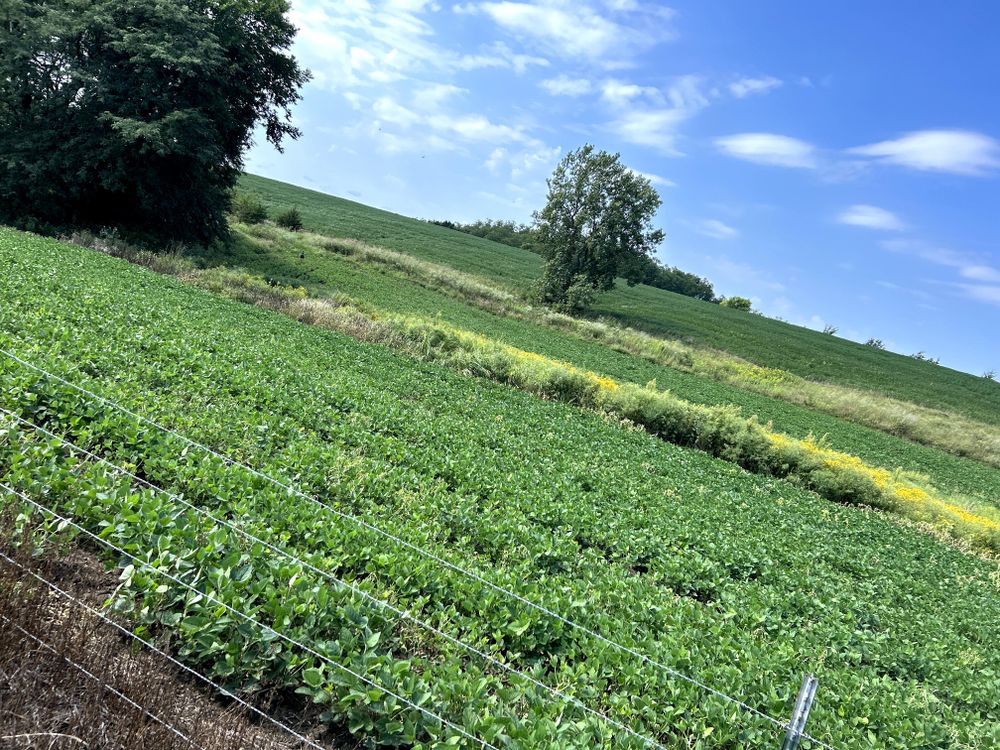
<point x="326" y="273"/>
<point x="767" y="342"/>
<point x="742" y="581"/>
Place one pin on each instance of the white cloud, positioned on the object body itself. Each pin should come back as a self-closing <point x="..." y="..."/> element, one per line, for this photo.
<point x="989" y="293"/>
<point x="656" y="126"/>
<point x="716" y="229"/>
<point x="955" y="151"/>
<point x="532" y="159"/>
<point x="981" y="273"/>
<point x="499" y="55"/>
<point x="386" y="110"/>
<point x="619" y="93"/>
<point x="475" y="127"/>
<point x="750" y="86"/>
<point x="398" y="129"/>
<point x="769" y="148"/>
<point x="654" y="179"/>
<point x="579" y="30"/>
<point x="353" y="44"/>
<point x="557" y="27"/>
<point x="433" y="95"/>
<point x="980" y="281"/>
<point x="873" y="217"/>
<point x="653" y="128"/>
<point x="563" y="85"/>
<point x="686" y="93"/>
<point x="495" y="159"/>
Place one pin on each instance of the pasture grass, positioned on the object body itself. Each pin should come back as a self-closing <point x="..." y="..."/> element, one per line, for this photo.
<point x="763" y="341"/>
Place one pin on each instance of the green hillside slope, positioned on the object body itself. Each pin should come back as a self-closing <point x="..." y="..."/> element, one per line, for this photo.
<point x="767" y="342"/>
<point x="325" y="273"/>
<point x="741" y="581"/>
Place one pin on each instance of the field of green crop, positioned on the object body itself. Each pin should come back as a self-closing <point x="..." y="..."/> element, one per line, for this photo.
<point x="324" y="272"/>
<point x="741" y="581"/>
<point x="764" y="341"/>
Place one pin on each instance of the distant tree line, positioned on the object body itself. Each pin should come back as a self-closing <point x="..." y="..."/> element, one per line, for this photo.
<point x="504" y="231"/>
<point x="673" y="279"/>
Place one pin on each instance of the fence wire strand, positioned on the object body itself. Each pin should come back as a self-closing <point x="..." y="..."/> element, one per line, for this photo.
<point x="147" y="644"/>
<point x="228" y="461"/>
<point x="248" y="618"/>
<point x="111" y="689"/>
<point x="402" y="613"/>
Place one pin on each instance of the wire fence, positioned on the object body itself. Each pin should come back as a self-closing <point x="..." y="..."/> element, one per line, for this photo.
<point x="102" y="684"/>
<point x="428" y="554"/>
<point x="160" y="652"/>
<point x="250" y="620"/>
<point x="340" y="583"/>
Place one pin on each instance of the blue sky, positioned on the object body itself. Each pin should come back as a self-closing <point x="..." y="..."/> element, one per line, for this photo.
<point x="838" y="163"/>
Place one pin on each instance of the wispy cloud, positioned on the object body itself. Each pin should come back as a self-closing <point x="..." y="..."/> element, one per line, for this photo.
<point x="621" y="93"/>
<point x="769" y="148"/>
<point x="981" y="273"/>
<point x="716" y="229"/>
<point x="352" y="45"/>
<point x="495" y="159"/>
<point x="956" y="151"/>
<point x="988" y="293"/>
<point x="978" y="280"/>
<point x="651" y="117"/>
<point x="872" y="217"/>
<point x="563" y="85"/>
<point x="654" y="128"/>
<point x="745" y="87"/>
<point x="654" y="179"/>
<point x="581" y="30"/>
<point x="747" y="279"/>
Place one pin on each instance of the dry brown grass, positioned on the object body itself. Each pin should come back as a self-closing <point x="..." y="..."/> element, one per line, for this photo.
<point x="48" y="701"/>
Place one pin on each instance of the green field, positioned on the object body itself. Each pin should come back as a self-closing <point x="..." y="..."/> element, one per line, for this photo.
<point x="323" y="273"/>
<point x="742" y="581"/>
<point x="764" y="341"/>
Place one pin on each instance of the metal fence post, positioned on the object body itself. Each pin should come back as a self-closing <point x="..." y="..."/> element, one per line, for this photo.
<point x="797" y="724"/>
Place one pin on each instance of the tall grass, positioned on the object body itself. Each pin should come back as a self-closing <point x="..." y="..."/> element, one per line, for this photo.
<point x="721" y="431"/>
<point x="946" y="431"/>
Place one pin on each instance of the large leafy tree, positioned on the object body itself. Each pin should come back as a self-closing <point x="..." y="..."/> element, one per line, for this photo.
<point x="137" y="113"/>
<point x="596" y="226"/>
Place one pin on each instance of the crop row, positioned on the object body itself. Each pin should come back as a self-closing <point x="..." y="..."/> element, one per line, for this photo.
<point x="742" y="581"/>
<point x="719" y="430"/>
<point x="329" y="274"/>
<point x="946" y="431"/>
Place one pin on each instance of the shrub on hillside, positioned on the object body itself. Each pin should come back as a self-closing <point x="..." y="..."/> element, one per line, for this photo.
<point x="290" y="220"/>
<point x="248" y="208"/>
<point x="737" y="303"/>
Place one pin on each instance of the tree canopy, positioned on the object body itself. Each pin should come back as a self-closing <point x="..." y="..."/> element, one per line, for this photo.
<point x="595" y="226"/>
<point x="137" y="113"/>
